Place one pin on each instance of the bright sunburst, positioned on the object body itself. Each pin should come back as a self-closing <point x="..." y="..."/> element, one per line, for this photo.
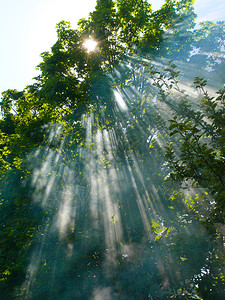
<point x="90" y="44"/>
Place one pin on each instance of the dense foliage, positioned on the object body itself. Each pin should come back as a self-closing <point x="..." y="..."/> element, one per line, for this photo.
<point x="112" y="166"/>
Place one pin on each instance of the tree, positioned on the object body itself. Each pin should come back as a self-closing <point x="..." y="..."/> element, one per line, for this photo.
<point x="87" y="210"/>
<point x="170" y="30"/>
<point x="201" y="150"/>
<point x="209" y="41"/>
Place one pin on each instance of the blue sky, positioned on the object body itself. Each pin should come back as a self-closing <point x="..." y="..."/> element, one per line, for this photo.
<point x="27" y="28"/>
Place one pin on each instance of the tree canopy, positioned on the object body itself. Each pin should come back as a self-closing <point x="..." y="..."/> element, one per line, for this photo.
<point x="112" y="164"/>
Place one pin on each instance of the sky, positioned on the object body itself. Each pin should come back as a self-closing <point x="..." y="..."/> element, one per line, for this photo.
<point x="27" y="28"/>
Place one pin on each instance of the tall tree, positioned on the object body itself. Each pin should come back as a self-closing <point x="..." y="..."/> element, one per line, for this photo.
<point x="85" y="210"/>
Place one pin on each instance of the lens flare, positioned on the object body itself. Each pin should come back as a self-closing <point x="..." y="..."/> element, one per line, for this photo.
<point x="90" y="44"/>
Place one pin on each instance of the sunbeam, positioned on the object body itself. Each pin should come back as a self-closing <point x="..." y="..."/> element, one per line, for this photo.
<point x="108" y="194"/>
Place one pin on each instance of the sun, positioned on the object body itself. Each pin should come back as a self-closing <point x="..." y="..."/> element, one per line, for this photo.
<point x="90" y="44"/>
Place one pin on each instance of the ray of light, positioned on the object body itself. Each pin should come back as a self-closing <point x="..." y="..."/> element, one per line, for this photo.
<point x="108" y="194"/>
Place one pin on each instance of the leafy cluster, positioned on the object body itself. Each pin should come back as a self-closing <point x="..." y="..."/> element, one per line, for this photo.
<point x="201" y="146"/>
